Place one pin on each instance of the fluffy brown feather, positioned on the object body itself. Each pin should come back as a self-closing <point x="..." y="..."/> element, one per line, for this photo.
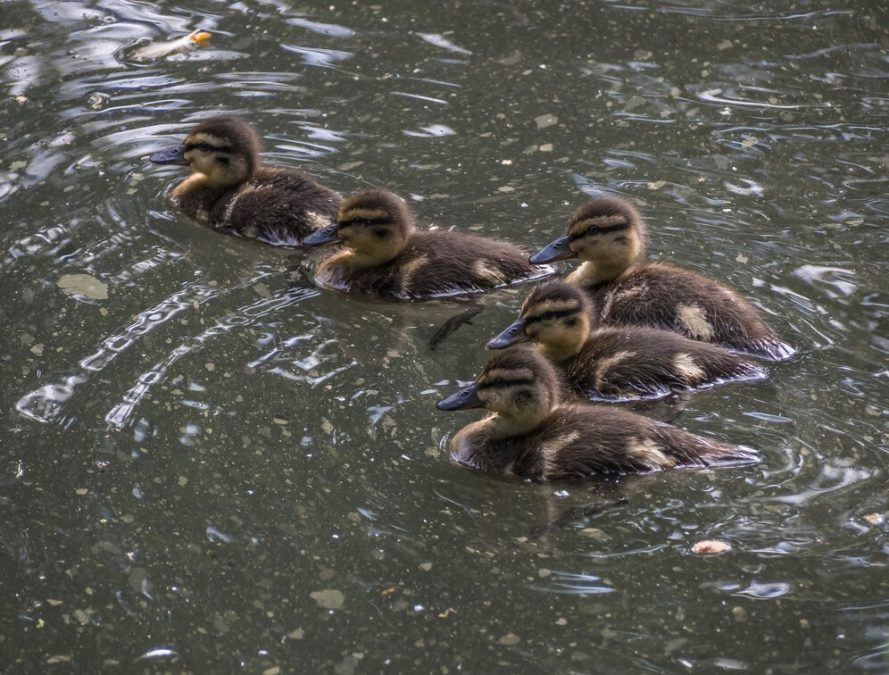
<point x="618" y="362"/>
<point x="231" y="190"/>
<point x="533" y="435"/>
<point x="385" y="257"/>
<point x="608" y="235"/>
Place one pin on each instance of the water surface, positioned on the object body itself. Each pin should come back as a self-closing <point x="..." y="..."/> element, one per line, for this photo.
<point x="221" y="467"/>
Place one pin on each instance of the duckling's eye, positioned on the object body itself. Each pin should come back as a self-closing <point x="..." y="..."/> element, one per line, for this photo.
<point x="380" y="233"/>
<point x="522" y="396"/>
<point x="592" y="229"/>
<point x="571" y="322"/>
<point x="358" y="221"/>
<point x="203" y="146"/>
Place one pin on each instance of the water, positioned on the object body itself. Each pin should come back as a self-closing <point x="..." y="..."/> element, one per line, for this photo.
<point x="220" y="468"/>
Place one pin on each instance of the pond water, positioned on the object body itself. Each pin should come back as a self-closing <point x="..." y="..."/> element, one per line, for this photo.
<point x="209" y="465"/>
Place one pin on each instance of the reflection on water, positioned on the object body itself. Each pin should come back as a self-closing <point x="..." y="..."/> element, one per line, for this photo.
<point x="218" y="464"/>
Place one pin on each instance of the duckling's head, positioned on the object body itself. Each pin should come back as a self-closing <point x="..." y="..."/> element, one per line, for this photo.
<point x="556" y="315"/>
<point x="374" y="225"/>
<point x="518" y="384"/>
<point x="606" y="231"/>
<point x="225" y="150"/>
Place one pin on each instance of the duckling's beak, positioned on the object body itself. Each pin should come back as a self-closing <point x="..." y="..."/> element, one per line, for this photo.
<point x="170" y="156"/>
<point x="556" y="250"/>
<point x="513" y="334"/>
<point x="326" y="235"/>
<point x="464" y="399"/>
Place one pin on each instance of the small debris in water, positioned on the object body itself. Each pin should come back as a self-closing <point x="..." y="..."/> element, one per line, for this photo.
<point x="328" y="598"/>
<point x="547" y="120"/>
<point x="83" y="284"/>
<point x="182" y="45"/>
<point x="510" y="639"/>
<point x="711" y="547"/>
<point x="874" y="518"/>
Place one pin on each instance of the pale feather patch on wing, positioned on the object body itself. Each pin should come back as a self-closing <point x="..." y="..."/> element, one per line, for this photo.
<point x="549" y="453"/>
<point x="606" y="308"/>
<point x="695" y="321"/>
<point x="410" y="269"/>
<point x="648" y="452"/>
<point x="687" y="368"/>
<point x="482" y="270"/>
<point x="631" y="293"/>
<point x="608" y="363"/>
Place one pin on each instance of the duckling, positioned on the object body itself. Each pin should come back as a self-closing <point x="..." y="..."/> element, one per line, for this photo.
<point x="533" y="435"/>
<point x="231" y="190"/>
<point x="608" y="235"/>
<point x="386" y="258"/>
<point x="622" y="362"/>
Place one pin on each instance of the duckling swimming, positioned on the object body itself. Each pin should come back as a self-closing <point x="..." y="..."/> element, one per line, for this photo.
<point x="623" y="362"/>
<point x="531" y="434"/>
<point x="608" y="235"/>
<point x="385" y="257"/>
<point x="231" y="190"/>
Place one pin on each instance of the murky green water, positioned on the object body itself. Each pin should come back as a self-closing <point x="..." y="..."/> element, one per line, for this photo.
<point x="218" y="468"/>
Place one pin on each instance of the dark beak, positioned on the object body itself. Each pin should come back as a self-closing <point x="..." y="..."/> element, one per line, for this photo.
<point x="326" y="235"/>
<point x="513" y="334"/>
<point x="464" y="399"/>
<point x="170" y="156"/>
<point x="556" y="250"/>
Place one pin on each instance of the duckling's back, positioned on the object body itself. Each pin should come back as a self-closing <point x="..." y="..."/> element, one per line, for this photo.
<point x="666" y="296"/>
<point x="435" y="264"/>
<point x="634" y="362"/>
<point x="279" y="205"/>
<point x="584" y="440"/>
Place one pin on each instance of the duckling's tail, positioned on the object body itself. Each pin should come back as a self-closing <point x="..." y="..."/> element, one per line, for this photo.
<point x="773" y="348"/>
<point x="691" y="450"/>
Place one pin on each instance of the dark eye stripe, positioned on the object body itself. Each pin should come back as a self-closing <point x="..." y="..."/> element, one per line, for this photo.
<point x="207" y="147"/>
<point x="592" y="230"/>
<point x="501" y="383"/>
<point x="555" y="314"/>
<point x="367" y="222"/>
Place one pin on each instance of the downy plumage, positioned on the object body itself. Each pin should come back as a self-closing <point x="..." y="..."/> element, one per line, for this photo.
<point x="623" y="362"/>
<point x="386" y="257"/>
<point x="532" y="434"/>
<point x="231" y="190"/>
<point x="608" y="236"/>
